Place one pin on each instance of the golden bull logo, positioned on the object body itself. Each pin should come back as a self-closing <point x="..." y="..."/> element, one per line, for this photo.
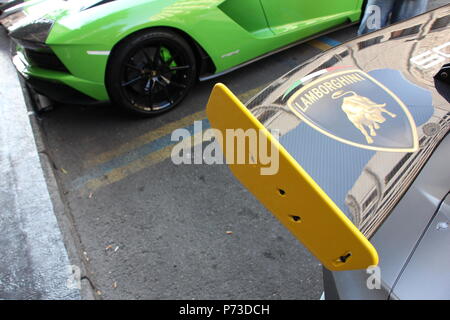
<point x="363" y="112"/>
<point x="354" y="108"/>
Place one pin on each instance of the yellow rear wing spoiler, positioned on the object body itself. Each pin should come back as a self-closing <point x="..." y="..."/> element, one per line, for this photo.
<point x="291" y="194"/>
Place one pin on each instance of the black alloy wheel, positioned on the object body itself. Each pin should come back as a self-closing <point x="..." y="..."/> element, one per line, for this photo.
<point x="151" y="72"/>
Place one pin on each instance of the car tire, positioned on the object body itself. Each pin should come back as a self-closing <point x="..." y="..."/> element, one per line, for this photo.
<point x="151" y="72"/>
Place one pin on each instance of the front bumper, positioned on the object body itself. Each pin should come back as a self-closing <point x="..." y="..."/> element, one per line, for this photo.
<point x="59" y="92"/>
<point x="63" y="70"/>
<point x="57" y="85"/>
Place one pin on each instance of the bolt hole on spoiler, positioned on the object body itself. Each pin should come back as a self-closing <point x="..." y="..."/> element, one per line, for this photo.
<point x="290" y="194"/>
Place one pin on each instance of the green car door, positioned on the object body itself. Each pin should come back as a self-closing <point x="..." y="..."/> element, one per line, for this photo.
<point x="290" y="15"/>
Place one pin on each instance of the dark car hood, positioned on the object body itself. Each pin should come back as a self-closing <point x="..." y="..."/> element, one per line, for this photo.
<point x="384" y="80"/>
<point x="402" y="61"/>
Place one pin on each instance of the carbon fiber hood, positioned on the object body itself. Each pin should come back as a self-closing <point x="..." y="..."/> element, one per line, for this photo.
<point x="364" y="119"/>
<point x="370" y="109"/>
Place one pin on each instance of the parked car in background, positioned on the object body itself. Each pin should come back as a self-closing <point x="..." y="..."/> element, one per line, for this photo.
<point x="146" y="55"/>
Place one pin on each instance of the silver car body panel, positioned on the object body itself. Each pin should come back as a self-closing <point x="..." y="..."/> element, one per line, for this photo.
<point x="398" y="237"/>
<point x="427" y="275"/>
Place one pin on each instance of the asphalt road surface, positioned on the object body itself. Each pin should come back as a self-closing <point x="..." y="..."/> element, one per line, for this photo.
<point x="149" y="229"/>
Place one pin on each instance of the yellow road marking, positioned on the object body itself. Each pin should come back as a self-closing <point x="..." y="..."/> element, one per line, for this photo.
<point x="158" y="133"/>
<point x="121" y="173"/>
<point x="146" y="138"/>
<point x="133" y="167"/>
<point x="319" y="45"/>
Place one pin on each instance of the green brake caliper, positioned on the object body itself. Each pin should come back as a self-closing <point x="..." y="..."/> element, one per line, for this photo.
<point x="167" y="56"/>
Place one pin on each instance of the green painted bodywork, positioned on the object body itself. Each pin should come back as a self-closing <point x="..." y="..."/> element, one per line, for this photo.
<point x="231" y="32"/>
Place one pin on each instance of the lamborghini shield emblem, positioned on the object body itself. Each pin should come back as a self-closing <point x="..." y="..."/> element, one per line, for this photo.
<point x="354" y="108"/>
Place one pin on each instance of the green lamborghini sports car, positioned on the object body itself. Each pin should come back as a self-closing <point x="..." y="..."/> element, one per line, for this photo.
<point x="145" y="55"/>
